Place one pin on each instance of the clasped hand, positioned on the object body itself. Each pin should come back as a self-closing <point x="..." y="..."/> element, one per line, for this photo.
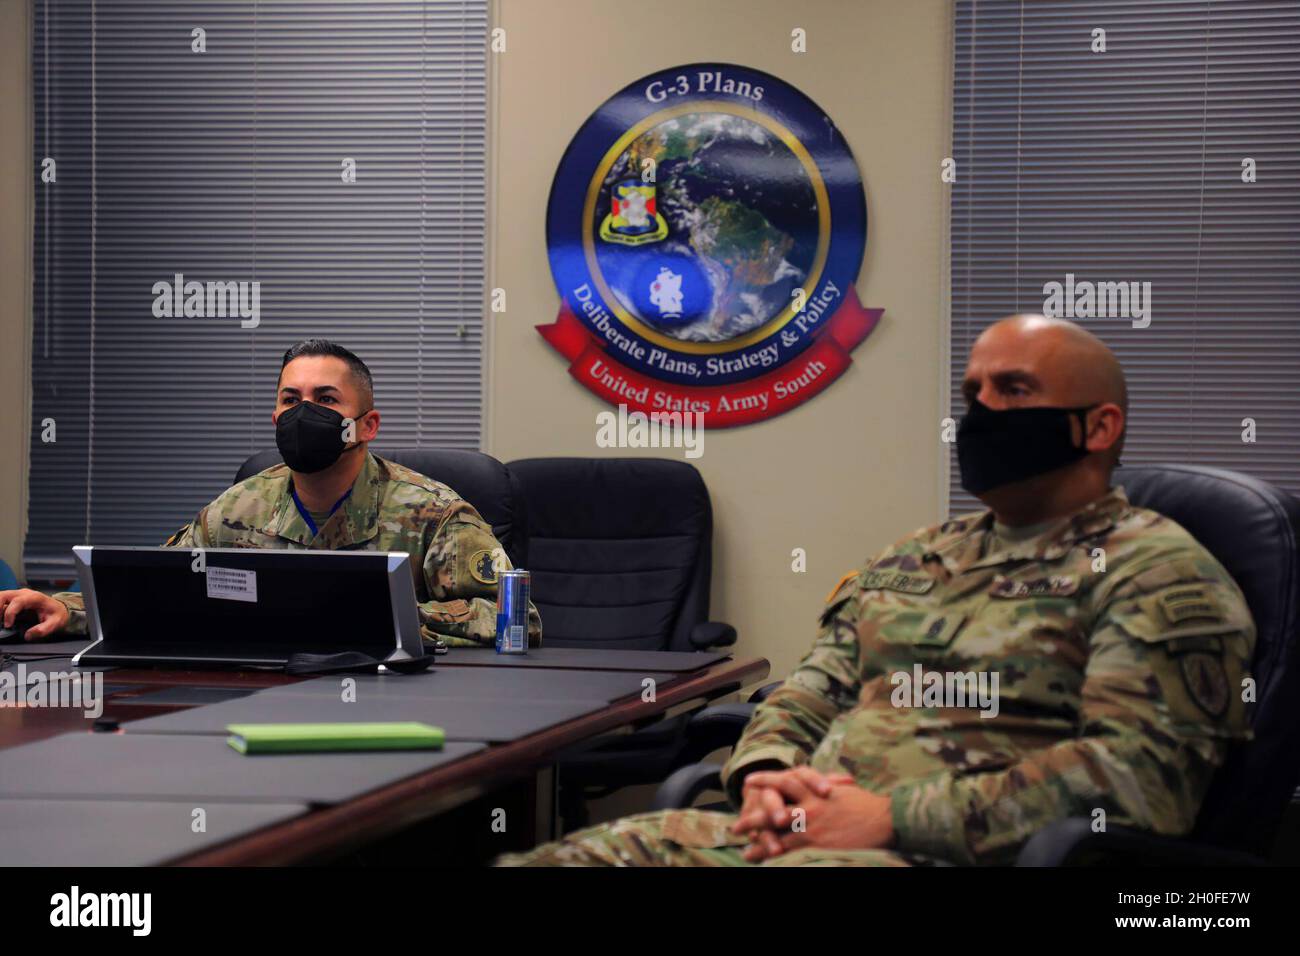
<point x="785" y="810"/>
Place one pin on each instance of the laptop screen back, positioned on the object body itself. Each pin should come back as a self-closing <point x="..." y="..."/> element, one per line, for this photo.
<point x="248" y="602"/>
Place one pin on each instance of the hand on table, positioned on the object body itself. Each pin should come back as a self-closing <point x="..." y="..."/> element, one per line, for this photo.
<point x="52" y="616"/>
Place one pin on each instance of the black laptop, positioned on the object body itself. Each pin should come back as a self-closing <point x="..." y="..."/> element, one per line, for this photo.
<point x="232" y="607"/>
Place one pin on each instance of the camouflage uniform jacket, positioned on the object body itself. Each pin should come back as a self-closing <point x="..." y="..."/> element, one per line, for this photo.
<point x="1120" y="647"/>
<point x="390" y="508"/>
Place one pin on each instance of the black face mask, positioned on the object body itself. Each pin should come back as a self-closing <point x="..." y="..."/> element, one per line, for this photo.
<point x="996" y="448"/>
<point x="310" y="437"/>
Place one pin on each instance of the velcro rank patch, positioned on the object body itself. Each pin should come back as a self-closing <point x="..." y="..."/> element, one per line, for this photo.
<point x="896" y="581"/>
<point x="938" y="630"/>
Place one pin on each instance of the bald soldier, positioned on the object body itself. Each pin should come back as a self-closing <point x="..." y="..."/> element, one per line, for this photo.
<point x="1061" y="654"/>
<point x="331" y="493"/>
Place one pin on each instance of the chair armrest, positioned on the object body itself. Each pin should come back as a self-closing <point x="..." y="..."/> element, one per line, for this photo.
<point x="764" y="692"/>
<point x="713" y="728"/>
<point x="686" y="784"/>
<point x="1072" y="842"/>
<point x="712" y="634"/>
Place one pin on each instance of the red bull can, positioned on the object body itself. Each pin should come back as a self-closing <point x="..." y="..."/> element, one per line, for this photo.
<point x="513" y="592"/>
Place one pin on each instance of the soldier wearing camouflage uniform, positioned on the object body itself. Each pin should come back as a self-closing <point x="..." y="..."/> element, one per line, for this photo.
<point x="391" y="508"/>
<point x="454" y="555"/>
<point x="1120" y="646"/>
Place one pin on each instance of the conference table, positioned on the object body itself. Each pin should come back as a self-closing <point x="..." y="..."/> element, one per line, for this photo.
<point x="152" y="780"/>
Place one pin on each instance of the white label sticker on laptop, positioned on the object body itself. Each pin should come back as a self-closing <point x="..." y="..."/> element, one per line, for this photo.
<point x="232" y="584"/>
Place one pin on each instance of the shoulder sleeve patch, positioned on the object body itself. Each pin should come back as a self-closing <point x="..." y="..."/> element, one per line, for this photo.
<point x="839" y="584"/>
<point x="839" y="597"/>
<point x="482" y="567"/>
<point x="1206" y="682"/>
<point x="176" y="537"/>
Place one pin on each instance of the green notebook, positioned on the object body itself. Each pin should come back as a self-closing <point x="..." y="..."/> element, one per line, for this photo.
<point x="308" y="738"/>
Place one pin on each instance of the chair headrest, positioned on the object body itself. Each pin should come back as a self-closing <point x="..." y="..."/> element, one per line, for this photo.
<point x="612" y="497"/>
<point x="620" y="550"/>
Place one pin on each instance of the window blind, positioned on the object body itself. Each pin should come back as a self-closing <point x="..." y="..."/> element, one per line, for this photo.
<point x="228" y="166"/>
<point x="1127" y="166"/>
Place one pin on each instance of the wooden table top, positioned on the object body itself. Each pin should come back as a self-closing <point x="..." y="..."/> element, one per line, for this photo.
<point x="333" y="829"/>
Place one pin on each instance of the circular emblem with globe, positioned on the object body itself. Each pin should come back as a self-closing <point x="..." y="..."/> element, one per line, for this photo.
<point x="705" y="229"/>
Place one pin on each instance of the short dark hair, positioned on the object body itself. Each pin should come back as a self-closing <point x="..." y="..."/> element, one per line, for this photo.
<point x="360" y="373"/>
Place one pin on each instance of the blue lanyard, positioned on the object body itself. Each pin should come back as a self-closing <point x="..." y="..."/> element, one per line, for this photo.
<point x="306" y="515"/>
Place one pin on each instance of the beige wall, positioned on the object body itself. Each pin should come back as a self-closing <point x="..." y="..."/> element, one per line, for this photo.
<point x="15" y="275"/>
<point x="855" y="468"/>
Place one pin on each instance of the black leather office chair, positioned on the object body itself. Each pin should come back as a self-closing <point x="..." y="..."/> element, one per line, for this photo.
<point x="478" y="478"/>
<point x="1253" y="529"/>
<point x="620" y="551"/>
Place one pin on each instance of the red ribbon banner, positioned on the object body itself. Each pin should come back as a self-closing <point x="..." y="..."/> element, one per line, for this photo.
<point x="596" y="366"/>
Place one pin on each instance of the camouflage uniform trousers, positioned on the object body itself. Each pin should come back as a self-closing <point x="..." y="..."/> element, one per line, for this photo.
<point x="680" y="838"/>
